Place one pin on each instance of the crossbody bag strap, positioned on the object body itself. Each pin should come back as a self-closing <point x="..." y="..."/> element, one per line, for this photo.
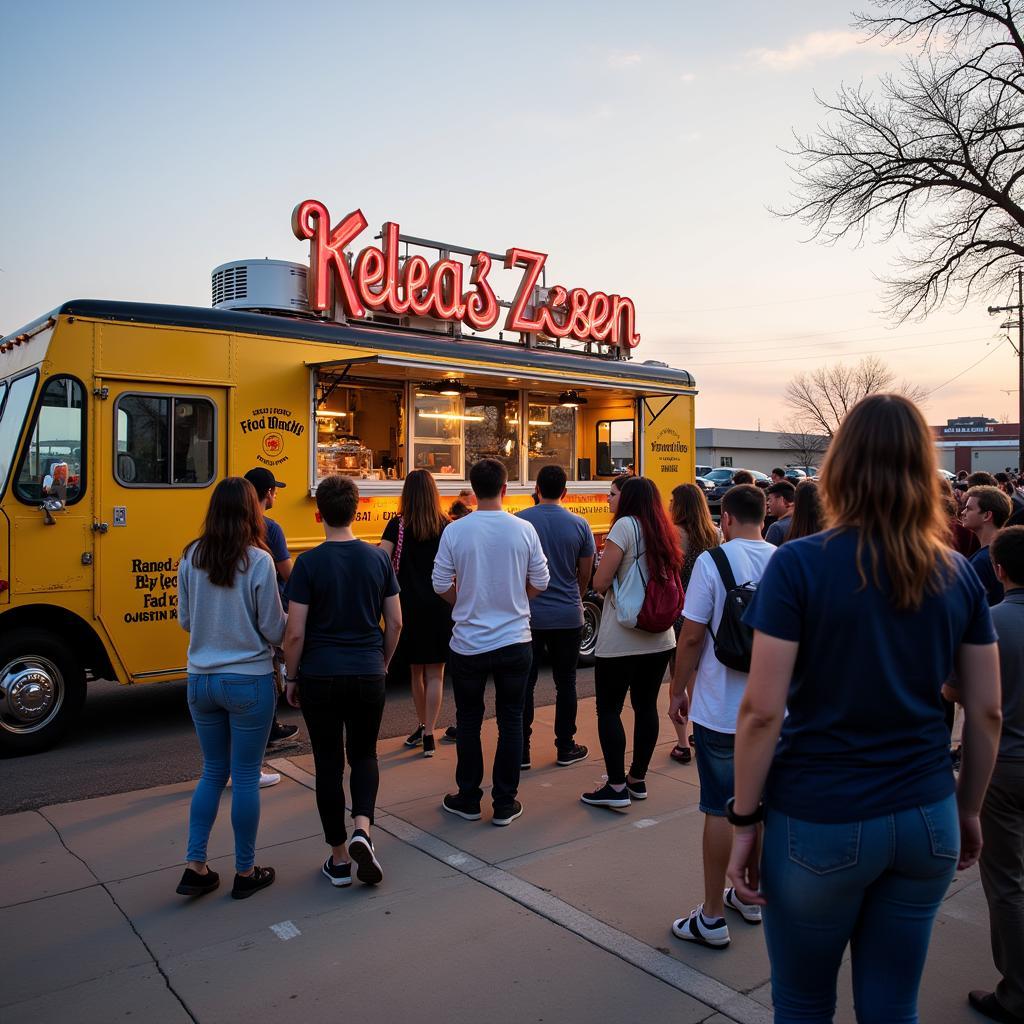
<point x="637" y="553"/>
<point x="396" y="557"/>
<point x="721" y="560"/>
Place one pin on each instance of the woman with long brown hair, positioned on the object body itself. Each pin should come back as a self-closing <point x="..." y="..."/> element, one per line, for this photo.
<point x="628" y="660"/>
<point x="689" y="512"/>
<point x="229" y="604"/>
<point x="856" y="630"/>
<point x="411" y="539"/>
<point x="808" y="514"/>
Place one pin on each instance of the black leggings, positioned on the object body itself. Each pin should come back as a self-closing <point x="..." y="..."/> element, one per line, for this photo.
<point x="343" y="715"/>
<point x="640" y="676"/>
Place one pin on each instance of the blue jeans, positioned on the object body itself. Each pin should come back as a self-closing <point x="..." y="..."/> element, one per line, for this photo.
<point x="716" y="768"/>
<point x="874" y="884"/>
<point x="232" y="715"/>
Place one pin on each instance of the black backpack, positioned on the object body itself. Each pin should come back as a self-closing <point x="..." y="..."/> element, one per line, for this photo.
<point x="735" y="639"/>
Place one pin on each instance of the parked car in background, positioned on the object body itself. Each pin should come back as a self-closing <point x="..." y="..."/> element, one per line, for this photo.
<point x="808" y="471"/>
<point x="946" y="475"/>
<point x="722" y="479"/>
<point x="795" y="475"/>
<point x="702" y="470"/>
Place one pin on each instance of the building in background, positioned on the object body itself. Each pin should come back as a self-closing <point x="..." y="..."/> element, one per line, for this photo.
<point x="972" y="443"/>
<point x="757" y="449"/>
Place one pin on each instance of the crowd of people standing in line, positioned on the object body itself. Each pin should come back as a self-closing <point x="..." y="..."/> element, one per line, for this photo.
<point x="826" y="783"/>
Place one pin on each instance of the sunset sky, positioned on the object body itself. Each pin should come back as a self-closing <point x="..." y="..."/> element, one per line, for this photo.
<point x="638" y="145"/>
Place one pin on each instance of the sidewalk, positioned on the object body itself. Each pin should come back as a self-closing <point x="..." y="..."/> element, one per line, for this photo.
<point x="563" y="916"/>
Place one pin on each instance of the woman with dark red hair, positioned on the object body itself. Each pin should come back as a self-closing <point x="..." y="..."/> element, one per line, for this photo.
<point x="629" y="660"/>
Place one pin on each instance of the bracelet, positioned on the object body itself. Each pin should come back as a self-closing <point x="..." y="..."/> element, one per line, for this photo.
<point x="742" y="820"/>
<point x="291" y="679"/>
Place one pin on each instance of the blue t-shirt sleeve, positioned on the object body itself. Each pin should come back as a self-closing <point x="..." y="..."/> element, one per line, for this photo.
<point x="777" y="608"/>
<point x="588" y="547"/>
<point x="298" y="587"/>
<point x="276" y="542"/>
<point x="979" y="628"/>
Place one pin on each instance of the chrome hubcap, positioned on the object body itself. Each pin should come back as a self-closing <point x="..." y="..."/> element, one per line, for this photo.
<point x="31" y="693"/>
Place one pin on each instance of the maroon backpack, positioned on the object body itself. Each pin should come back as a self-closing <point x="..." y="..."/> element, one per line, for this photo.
<point x="663" y="599"/>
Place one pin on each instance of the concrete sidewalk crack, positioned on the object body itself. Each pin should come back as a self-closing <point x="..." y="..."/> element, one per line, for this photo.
<point x="131" y="924"/>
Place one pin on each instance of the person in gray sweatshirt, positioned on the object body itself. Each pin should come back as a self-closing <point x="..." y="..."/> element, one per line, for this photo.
<point x="229" y="603"/>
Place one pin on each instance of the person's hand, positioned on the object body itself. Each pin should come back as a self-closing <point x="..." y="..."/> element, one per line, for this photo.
<point x="679" y="708"/>
<point x="970" y="841"/>
<point x="291" y="694"/>
<point x="744" y="869"/>
<point x="950" y="693"/>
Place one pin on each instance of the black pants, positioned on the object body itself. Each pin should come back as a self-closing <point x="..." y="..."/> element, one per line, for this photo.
<point x="510" y="667"/>
<point x="563" y="647"/>
<point x="640" y="676"/>
<point x="343" y="715"/>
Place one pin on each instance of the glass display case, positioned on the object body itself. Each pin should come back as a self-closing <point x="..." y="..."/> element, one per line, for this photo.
<point x="359" y="432"/>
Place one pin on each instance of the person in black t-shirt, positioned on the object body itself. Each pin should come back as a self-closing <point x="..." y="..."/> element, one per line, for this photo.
<point x="337" y="660"/>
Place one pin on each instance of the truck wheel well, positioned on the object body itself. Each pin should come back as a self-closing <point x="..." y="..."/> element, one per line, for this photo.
<point x="76" y="631"/>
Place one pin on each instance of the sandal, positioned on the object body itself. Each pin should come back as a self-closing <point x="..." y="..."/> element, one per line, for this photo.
<point x="681" y="754"/>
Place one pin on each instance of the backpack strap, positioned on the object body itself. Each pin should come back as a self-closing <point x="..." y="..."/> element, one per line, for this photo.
<point x="637" y="553"/>
<point x="721" y="560"/>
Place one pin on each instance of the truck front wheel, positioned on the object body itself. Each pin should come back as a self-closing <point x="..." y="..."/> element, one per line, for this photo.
<point x="42" y="689"/>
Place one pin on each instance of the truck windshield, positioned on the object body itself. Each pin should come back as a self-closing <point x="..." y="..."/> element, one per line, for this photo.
<point x="14" y="405"/>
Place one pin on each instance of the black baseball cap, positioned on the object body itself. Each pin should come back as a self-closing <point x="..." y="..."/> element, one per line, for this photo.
<point x="262" y="479"/>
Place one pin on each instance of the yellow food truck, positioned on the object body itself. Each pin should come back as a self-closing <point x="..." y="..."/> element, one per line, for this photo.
<point x="117" y="419"/>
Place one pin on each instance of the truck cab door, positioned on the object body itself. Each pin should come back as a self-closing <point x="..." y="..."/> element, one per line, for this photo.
<point x="162" y="450"/>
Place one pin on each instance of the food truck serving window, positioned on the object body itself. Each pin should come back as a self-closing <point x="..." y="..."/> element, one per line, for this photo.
<point x="550" y="435"/>
<point x="53" y="456"/>
<point x="360" y="431"/>
<point x="13" y="407"/>
<point x="164" y="441"/>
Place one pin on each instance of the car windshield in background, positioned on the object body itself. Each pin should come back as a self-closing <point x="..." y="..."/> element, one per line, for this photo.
<point x="719" y="476"/>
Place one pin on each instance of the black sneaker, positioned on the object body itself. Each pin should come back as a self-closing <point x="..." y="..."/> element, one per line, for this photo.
<point x="415" y="738"/>
<point x="360" y="849"/>
<point x="456" y="803"/>
<point x="606" y="797"/>
<point x="279" y="732"/>
<point x="507" y="813"/>
<point x="450" y="734"/>
<point x="246" y="885"/>
<point x="575" y="753"/>
<point x="429" y="746"/>
<point x="194" y="884"/>
<point x="339" y="874"/>
<point x="525" y="764"/>
<point x="637" y="790"/>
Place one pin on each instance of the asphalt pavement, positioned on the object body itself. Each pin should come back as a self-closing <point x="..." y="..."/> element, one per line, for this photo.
<point x="132" y="737"/>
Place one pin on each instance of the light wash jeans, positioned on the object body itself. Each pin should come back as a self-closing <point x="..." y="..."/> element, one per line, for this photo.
<point x="233" y="715"/>
<point x="875" y="885"/>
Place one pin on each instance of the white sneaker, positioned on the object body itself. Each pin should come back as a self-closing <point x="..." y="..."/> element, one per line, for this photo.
<point x="697" y="928"/>
<point x="269" y="779"/>
<point x="751" y="911"/>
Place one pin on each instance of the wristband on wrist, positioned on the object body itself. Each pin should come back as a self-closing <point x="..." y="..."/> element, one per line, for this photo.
<point x="743" y="819"/>
<point x="291" y="679"/>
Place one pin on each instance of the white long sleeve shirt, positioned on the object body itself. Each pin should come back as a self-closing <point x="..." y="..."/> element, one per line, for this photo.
<point x="490" y="556"/>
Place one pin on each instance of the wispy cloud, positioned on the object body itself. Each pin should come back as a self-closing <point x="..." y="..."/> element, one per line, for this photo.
<point x="619" y="60"/>
<point x="687" y="76"/>
<point x="812" y="48"/>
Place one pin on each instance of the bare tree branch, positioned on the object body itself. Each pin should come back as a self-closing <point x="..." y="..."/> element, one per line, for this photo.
<point x="818" y="400"/>
<point x="933" y="154"/>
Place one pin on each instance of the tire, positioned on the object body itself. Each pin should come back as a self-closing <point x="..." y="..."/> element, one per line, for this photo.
<point x="592" y="607"/>
<point x="42" y="690"/>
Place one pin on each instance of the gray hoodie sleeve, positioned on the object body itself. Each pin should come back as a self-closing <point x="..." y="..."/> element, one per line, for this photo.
<point x="184" y="615"/>
<point x="270" y="617"/>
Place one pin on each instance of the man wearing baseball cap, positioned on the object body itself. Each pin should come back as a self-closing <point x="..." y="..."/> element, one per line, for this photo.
<point x="266" y="485"/>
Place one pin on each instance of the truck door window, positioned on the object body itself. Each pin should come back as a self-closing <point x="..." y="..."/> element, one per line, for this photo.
<point x="54" y="453"/>
<point x="615" y="451"/>
<point x="12" y="419"/>
<point x="164" y="441"/>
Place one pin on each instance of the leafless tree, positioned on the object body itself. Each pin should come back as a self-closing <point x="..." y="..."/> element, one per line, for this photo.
<point x="805" y="443"/>
<point x="818" y="400"/>
<point x="934" y="154"/>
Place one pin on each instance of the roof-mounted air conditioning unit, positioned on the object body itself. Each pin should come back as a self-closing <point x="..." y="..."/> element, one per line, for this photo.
<point x="261" y="286"/>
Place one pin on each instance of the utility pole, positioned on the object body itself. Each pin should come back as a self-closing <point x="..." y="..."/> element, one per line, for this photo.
<point x="1019" y="310"/>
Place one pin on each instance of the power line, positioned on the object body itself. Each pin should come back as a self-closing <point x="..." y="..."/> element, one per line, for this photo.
<point x="865" y="352"/>
<point x="971" y="367"/>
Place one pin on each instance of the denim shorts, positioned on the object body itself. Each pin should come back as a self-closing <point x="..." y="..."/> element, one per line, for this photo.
<point x="715" y="768"/>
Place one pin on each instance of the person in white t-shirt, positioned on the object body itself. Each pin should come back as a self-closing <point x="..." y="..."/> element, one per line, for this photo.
<point x="717" y="693"/>
<point x="488" y="566"/>
<point x="628" y="660"/>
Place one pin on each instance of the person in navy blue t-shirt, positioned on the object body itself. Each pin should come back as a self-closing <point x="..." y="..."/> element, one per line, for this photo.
<point x="856" y="630"/>
<point x="985" y="513"/>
